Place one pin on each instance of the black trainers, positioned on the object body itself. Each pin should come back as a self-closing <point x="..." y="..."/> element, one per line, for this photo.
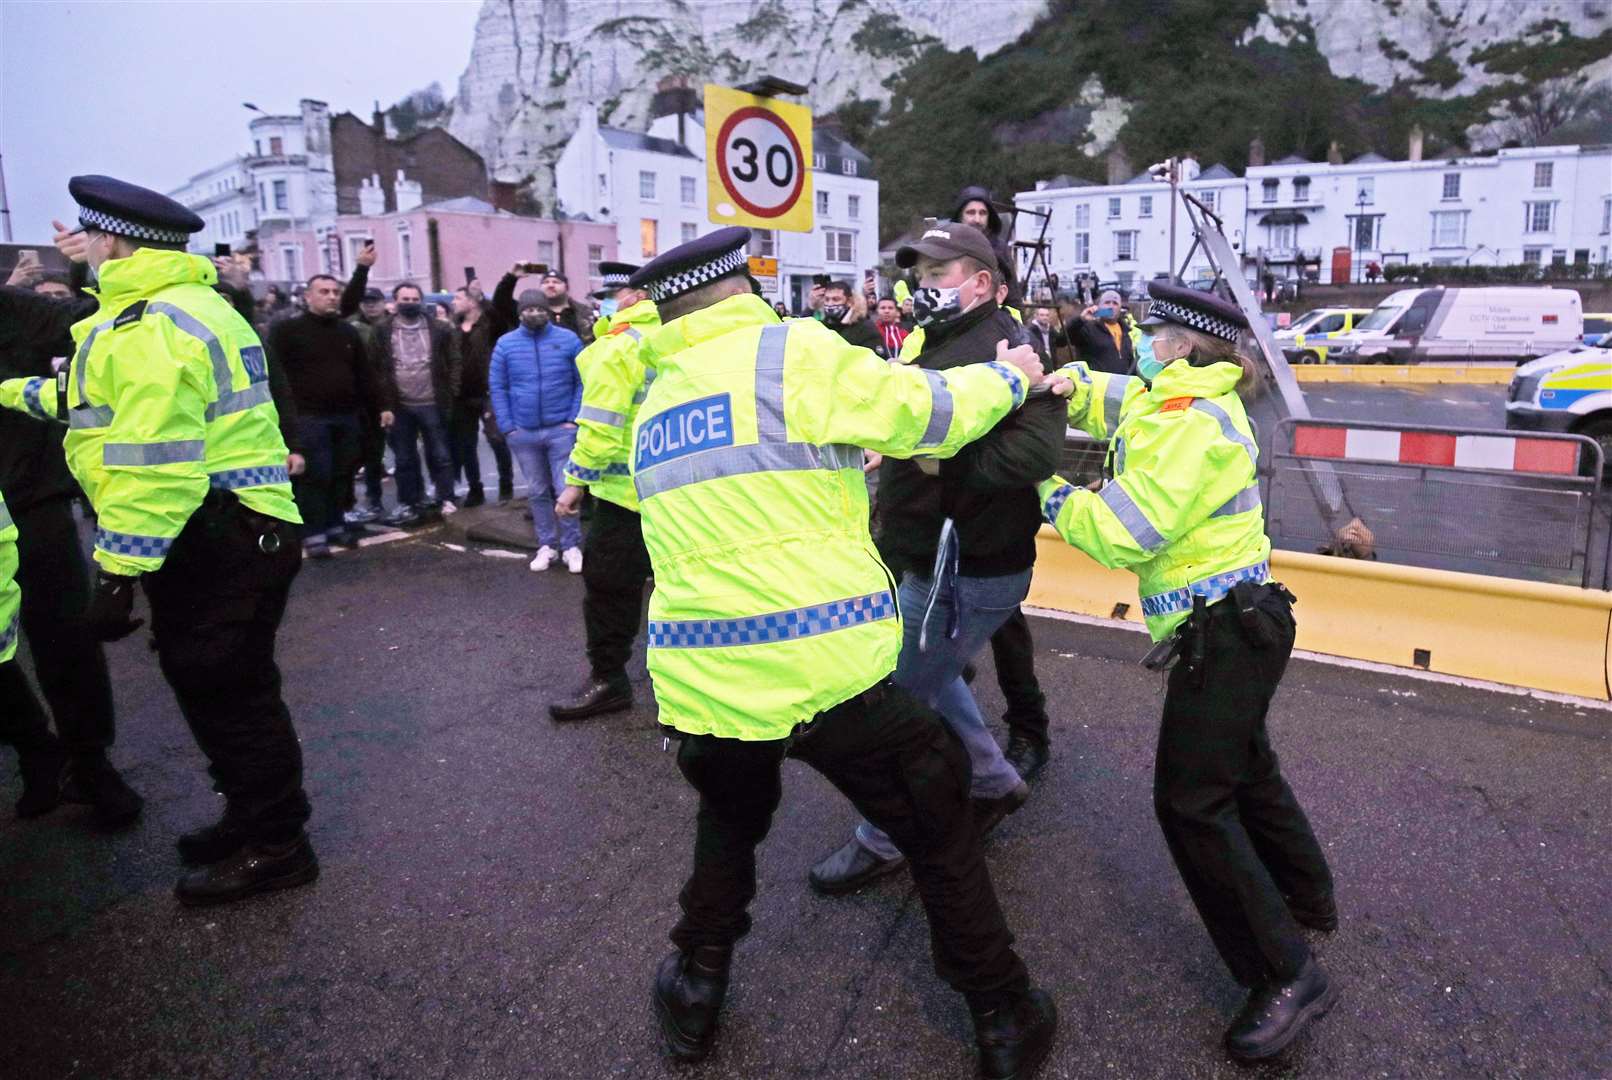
<point x="850" y="868"/>
<point x="255" y="868"/>
<point x="1014" y="1038"/>
<point x="1276" y="1015"/>
<point x="92" y="781"/>
<point x="595" y="697"/>
<point x="477" y="496"/>
<point x="211" y="843"/>
<point x="688" y="995"/>
<point x="1027" y="756"/>
<point x="988" y="813"/>
<point x="41" y="780"/>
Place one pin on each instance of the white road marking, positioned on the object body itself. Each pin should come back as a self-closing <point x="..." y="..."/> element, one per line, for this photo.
<point x="1361" y="665"/>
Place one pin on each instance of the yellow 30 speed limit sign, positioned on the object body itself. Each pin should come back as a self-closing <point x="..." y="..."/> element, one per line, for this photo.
<point x="758" y="154"/>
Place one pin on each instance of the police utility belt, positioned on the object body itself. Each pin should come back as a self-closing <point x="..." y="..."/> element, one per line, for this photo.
<point x="1188" y="646"/>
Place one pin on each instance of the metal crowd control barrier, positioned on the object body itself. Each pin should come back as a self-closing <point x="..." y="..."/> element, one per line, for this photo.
<point x="1515" y="504"/>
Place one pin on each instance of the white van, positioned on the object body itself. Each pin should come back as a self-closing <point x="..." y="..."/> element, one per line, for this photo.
<point x="1458" y="326"/>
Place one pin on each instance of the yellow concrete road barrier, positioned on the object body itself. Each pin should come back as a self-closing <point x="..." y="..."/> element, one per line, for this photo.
<point x="1521" y="633"/>
<point x="1405" y="374"/>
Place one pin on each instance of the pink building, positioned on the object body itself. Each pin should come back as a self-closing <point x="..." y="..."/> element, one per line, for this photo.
<point x="432" y="245"/>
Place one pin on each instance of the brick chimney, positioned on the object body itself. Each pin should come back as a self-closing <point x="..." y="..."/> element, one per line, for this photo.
<point x="1417" y="138"/>
<point x="409" y="193"/>
<point x="1334" y="153"/>
<point x="1256" y="151"/>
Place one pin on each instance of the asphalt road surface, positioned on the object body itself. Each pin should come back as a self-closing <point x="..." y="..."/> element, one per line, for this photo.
<point x="497" y="889"/>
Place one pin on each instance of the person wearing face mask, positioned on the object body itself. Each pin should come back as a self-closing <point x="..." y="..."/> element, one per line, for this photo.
<point x="536" y="394"/>
<point x="418" y="356"/>
<point x="1104" y="337"/>
<point x="960" y="533"/>
<point x="1181" y="509"/>
<point x="845" y="313"/>
<point x="174" y="437"/>
<point x="615" y="563"/>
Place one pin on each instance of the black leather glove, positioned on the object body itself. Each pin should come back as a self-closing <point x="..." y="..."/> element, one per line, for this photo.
<point x="111" y="610"/>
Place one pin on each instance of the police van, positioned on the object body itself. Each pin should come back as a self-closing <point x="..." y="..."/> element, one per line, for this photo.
<point x="1569" y="391"/>
<point x="1307" y="340"/>
<point x="1459" y="326"/>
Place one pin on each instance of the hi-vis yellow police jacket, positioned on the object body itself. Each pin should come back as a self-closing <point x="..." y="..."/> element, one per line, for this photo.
<point x="771" y="603"/>
<point x="612" y="389"/>
<point x="167" y="395"/>
<point x="1181" y="506"/>
<point x="10" y="591"/>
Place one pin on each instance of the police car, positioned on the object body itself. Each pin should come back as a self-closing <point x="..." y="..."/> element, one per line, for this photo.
<point x="1568" y="391"/>
<point x="1307" y="340"/>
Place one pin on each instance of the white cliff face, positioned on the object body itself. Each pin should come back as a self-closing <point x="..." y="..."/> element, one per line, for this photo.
<point x="535" y="63"/>
<point x="1379" y="41"/>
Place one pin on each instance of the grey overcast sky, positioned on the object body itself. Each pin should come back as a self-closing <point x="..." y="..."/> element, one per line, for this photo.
<point x="151" y="92"/>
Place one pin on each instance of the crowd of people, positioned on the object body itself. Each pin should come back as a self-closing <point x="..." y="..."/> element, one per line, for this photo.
<point x="839" y="513"/>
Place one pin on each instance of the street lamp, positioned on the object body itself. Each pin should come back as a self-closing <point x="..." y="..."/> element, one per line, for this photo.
<point x="1360" y="215"/>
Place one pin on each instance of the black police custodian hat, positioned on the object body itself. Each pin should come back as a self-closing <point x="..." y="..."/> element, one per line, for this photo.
<point x="1195" y="310"/>
<point x="616" y="275"/>
<point x="948" y="240"/>
<point x="696" y="263"/>
<point x="124" y="209"/>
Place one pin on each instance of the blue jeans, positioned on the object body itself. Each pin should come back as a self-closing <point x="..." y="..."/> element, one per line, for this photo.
<point x="935" y="675"/>
<point x="542" y="454"/>
<point x="410" y="424"/>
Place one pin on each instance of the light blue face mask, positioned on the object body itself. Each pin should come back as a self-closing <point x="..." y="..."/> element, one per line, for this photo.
<point x="1147" y="365"/>
<point x="607" y="308"/>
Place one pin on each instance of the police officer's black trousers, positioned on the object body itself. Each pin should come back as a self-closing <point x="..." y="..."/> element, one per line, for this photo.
<point x="68" y="661"/>
<point x="615" y="566"/>
<point x="1013" y="651"/>
<point x="216" y="605"/>
<point x="902" y="767"/>
<point x="22" y="720"/>
<point x="1234" y="827"/>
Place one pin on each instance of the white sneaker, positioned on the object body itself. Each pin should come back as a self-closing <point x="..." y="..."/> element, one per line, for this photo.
<point x="573" y="560"/>
<point x="545" y="556"/>
<point x="449" y="507"/>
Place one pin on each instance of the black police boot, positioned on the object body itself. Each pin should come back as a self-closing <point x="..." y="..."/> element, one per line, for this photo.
<point x="506" y="492"/>
<point x="255" y="868"/>
<point x="594" y="697"/>
<point x="1026" y="756"/>
<point x="988" y="813"/>
<point x="1276" y="1015"/>
<point x="689" y="990"/>
<point x="477" y="496"/>
<point x="1319" y="914"/>
<point x="41" y="779"/>
<point x="211" y="843"/>
<point x="91" y="781"/>
<point x="850" y="868"/>
<point x="1015" y="1037"/>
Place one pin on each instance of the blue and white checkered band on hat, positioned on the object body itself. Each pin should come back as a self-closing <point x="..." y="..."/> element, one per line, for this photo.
<point x="616" y="281"/>
<point x="111" y="223"/>
<point x="693" y="277"/>
<point x="1194" y="319"/>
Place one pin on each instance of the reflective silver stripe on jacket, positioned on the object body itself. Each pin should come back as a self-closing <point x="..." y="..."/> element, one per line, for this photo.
<point x="1113" y="398"/>
<point x="5" y="517"/>
<point x="940" y="411"/>
<point x="1229" y="429"/>
<point x="772" y="452"/>
<point x="1245" y="500"/>
<point x="237" y="401"/>
<point x="89" y="416"/>
<point x="157" y="453"/>
<point x="1117" y="499"/>
<point x="189" y="324"/>
<point x="601" y="416"/>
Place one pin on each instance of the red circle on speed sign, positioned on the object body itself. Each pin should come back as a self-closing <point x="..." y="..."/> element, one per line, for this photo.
<point x="761" y="164"/>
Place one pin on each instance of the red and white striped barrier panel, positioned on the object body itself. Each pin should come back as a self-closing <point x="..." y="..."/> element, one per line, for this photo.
<point x="1513" y="453"/>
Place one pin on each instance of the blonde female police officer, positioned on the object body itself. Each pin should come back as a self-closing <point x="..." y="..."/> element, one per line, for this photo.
<point x="1181" y="508"/>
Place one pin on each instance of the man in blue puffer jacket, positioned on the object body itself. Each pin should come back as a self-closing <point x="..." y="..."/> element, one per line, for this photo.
<point x="536" y="392"/>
